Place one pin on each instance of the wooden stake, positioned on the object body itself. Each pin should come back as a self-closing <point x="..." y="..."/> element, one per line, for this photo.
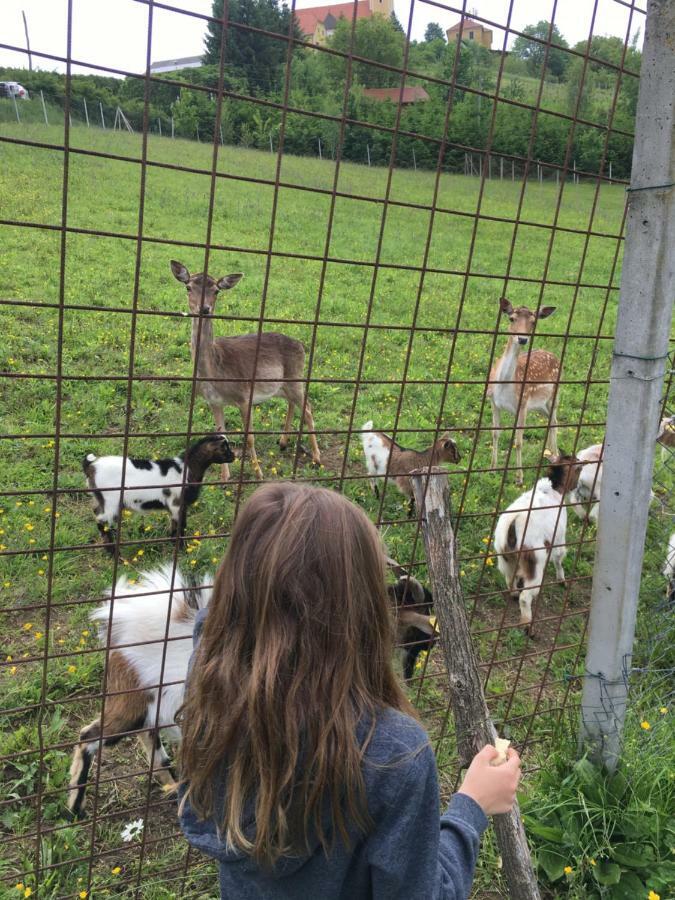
<point x="473" y="725"/>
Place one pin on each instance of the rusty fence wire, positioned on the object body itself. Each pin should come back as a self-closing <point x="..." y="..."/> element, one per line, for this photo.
<point x="391" y="275"/>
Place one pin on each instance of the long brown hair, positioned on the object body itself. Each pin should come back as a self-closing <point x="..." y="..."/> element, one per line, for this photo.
<point x="296" y="651"/>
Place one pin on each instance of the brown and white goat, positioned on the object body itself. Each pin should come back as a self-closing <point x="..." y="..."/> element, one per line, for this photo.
<point x="246" y="369"/>
<point x="135" y="701"/>
<point x="532" y="530"/>
<point x="383" y="455"/>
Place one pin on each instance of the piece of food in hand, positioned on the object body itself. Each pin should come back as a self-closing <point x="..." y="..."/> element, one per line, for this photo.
<point x="501" y="746"/>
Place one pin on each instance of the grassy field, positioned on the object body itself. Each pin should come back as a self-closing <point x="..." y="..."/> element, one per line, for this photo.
<point x="103" y="195"/>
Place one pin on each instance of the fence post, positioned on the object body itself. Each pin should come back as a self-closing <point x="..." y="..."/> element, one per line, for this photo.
<point x="610" y="170"/>
<point x="172" y="129"/>
<point x="473" y="725"/>
<point x="159" y="125"/>
<point x="271" y="145"/>
<point x="100" y="106"/>
<point x="640" y="359"/>
<point x="222" y="142"/>
<point x="368" y="153"/>
<point x="320" y="156"/>
<point x="414" y="160"/>
<point x="513" y="170"/>
<point x="16" y="109"/>
<point x="501" y="168"/>
<point x="86" y="111"/>
<point x="44" y="108"/>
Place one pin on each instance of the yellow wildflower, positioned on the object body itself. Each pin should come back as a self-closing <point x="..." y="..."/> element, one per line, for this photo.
<point x="116" y="870"/>
<point x="645" y="725"/>
<point x="12" y="670"/>
<point x="592" y="862"/>
<point x="6" y="583"/>
<point x="140" y="553"/>
<point x="19" y="886"/>
<point x="72" y="670"/>
<point x="652" y="895"/>
<point x="37" y="635"/>
<point x="27" y="626"/>
<point x="663" y="710"/>
<point x="489" y="561"/>
<point x="567" y="870"/>
<point x="85" y="633"/>
<point x="28" y="892"/>
<point x="28" y="526"/>
<point x="83" y="894"/>
<point x="41" y="571"/>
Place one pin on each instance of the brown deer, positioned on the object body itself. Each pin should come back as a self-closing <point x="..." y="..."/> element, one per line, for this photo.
<point x="507" y="391"/>
<point x="229" y="361"/>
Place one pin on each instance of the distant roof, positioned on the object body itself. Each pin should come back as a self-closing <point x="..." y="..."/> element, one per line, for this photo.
<point x="185" y="62"/>
<point x="307" y="18"/>
<point x="410" y="94"/>
<point x="468" y="23"/>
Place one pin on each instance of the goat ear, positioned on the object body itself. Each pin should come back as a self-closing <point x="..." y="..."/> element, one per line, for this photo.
<point x="179" y="271"/>
<point x="229" y="281"/>
<point x="505" y="306"/>
<point x="545" y="311"/>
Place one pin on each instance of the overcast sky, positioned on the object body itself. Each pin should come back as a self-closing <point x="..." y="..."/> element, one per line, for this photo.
<point x="114" y="32"/>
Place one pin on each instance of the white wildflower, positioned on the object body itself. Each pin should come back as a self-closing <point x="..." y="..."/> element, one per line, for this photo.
<point x="132" y="830"/>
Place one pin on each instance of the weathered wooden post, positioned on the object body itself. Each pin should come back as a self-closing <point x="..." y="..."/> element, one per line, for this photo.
<point x="473" y="725"/>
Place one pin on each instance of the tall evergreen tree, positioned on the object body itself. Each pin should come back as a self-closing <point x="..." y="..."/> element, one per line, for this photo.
<point x="434" y="32"/>
<point x="258" y="58"/>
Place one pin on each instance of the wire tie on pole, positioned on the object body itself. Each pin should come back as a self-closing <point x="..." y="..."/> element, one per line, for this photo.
<point x="651" y="187"/>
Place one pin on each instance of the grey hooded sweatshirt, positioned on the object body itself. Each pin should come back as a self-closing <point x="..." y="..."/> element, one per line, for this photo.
<point x="411" y="853"/>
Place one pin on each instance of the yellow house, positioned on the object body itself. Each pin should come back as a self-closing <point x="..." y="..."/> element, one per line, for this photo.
<point x="471" y="31"/>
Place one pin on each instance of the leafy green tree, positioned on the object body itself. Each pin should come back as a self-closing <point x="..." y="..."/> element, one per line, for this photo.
<point x="434" y="32"/>
<point x="393" y="18"/>
<point x="257" y="57"/>
<point x="376" y="39"/>
<point x="534" y="53"/>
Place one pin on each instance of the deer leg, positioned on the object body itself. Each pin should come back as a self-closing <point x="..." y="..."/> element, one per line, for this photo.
<point x="552" y="433"/>
<point x="309" y="422"/>
<point x="220" y="426"/>
<point x="283" y="440"/>
<point x="520" y="429"/>
<point x="495" y="434"/>
<point x="245" y="410"/>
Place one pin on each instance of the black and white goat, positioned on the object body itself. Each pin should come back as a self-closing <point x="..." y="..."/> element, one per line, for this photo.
<point x="532" y="529"/>
<point x="151" y="484"/>
<point x="413" y="605"/>
<point x="135" y="671"/>
<point x="378" y="447"/>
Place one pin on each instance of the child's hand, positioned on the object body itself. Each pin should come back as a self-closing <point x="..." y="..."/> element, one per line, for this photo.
<point x="492" y="787"/>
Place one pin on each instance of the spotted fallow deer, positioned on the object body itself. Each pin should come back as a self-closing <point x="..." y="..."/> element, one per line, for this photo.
<point x="506" y="389"/>
<point x="225" y="365"/>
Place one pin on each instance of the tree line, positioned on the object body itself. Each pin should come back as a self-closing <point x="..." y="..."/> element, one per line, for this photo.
<point x="256" y="62"/>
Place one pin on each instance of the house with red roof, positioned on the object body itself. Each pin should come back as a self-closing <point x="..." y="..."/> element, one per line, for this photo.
<point x="317" y="23"/>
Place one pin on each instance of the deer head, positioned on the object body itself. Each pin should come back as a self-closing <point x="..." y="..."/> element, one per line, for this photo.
<point x="202" y="289"/>
<point x="522" y="319"/>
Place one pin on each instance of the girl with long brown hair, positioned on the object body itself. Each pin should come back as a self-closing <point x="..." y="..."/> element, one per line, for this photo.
<point x="304" y="770"/>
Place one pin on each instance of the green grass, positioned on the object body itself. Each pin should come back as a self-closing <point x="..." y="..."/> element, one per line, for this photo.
<point x="104" y="195"/>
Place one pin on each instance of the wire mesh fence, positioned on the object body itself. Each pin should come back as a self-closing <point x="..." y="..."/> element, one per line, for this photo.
<point x="386" y="255"/>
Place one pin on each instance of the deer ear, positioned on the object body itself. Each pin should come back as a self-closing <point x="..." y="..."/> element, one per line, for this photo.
<point x="229" y="281"/>
<point x="179" y="271"/>
<point x="505" y="306"/>
<point x="545" y="311"/>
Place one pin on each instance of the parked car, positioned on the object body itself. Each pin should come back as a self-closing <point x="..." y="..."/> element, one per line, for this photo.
<point x="9" y="89"/>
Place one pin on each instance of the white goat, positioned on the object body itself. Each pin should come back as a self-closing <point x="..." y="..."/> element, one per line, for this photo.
<point x="669" y="568"/>
<point x="151" y="484"/>
<point x="378" y="446"/>
<point x="133" y="682"/>
<point x="588" y="487"/>
<point x="533" y="527"/>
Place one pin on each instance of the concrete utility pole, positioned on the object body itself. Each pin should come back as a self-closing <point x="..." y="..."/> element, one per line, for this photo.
<point x="638" y="367"/>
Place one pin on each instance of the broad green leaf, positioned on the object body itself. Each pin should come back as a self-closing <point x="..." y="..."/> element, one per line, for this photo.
<point x="637" y="856"/>
<point x="607" y="872"/>
<point x="543" y="831"/>
<point x="617" y="785"/>
<point x="552" y="862"/>
<point x="629" y="888"/>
